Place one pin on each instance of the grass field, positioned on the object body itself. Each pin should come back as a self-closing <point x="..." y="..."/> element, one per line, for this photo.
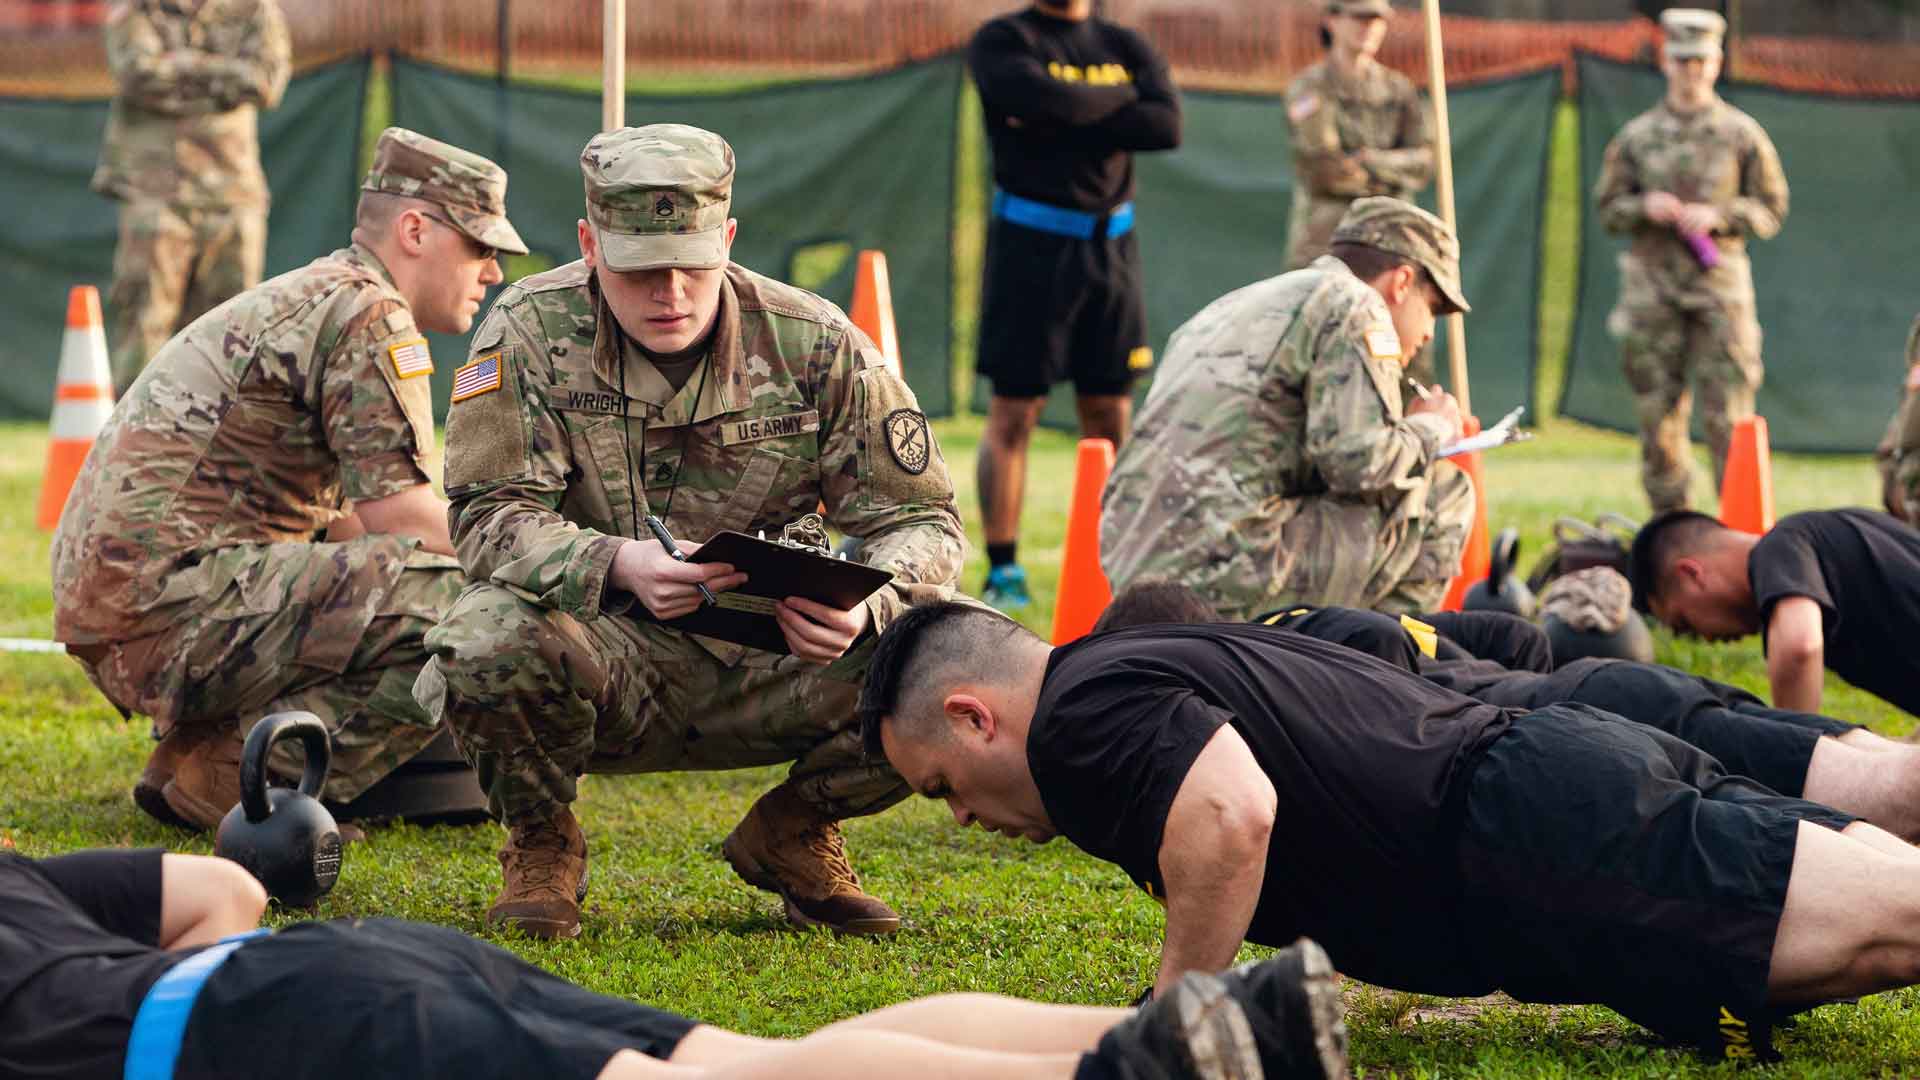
<point x="668" y="923"/>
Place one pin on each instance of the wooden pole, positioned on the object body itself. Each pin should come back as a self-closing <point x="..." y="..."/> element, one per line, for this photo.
<point x="1443" y="191"/>
<point x="613" y="65"/>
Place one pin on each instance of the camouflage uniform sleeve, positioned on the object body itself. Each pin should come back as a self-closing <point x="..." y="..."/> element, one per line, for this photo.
<point x="1409" y="165"/>
<point x="376" y="402"/>
<point x="177" y="82"/>
<point x="1617" y="194"/>
<point x="266" y="59"/>
<point x="1322" y="164"/>
<point x="1356" y="437"/>
<point x="508" y="457"/>
<point x="884" y="479"/>
<point x="1900" y="450"/>
<point x="1761" y="206"/>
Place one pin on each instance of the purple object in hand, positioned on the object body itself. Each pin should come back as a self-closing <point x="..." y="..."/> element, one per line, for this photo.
<point x="1705" y="251"/>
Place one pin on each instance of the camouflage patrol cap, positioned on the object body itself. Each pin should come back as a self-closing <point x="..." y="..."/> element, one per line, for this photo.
<point x="1692" y="32"/>
<point x="471" y="189"/>
<point x="1401" y="228"/>
<point x="658" y="196"/>
<point x="1359" y="7"/>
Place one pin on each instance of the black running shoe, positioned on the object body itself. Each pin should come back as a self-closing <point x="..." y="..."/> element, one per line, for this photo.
<point x="1196" y="1031"/>
<point x="1292" y="1001"/>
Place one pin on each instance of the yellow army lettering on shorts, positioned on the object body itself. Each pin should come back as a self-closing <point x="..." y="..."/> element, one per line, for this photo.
<point x="1424" y="636"/>
<point x="1140" y="359"/>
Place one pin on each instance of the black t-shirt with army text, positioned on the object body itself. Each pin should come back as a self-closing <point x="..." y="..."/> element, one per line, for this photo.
<point x="1367" y="760"/>
<point x="1081" y="96"/>
<point x="1863" y="568"/>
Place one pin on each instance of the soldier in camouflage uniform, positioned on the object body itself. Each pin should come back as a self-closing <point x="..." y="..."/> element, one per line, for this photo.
<point x="655" y="377"/>
<point x="182" y="155"/>
<point x="1898" y="455"/>
<point x="1274" y="464"/>
<point x="1689" y="180"/>
<point x="1357" y="126"/>
<point x="256" y="530"/>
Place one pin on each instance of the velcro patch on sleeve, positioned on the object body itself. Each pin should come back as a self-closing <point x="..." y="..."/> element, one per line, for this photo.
<point x="1383" y="343"/>
<point x="900" y="463"/>
<point x="486" y="436"/>
<point x="410" y="359"/>
<point x="481" y="376"/>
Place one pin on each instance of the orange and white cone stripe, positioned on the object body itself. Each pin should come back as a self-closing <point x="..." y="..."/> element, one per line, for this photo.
<point x="82" y="401"/>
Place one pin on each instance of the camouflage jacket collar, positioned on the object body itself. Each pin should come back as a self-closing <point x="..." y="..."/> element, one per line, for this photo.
<point x="361" y="255"/>
<point x="644" y="381"/>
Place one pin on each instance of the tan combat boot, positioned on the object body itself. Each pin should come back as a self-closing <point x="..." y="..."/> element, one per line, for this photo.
<point x="545" y="865"/>
<point x="783" y="846"/>
<point x="162" y="763"/>
<point x="206" y="780"/>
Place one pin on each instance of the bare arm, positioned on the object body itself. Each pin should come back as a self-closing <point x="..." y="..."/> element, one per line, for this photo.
<point x="1213" y="857"/>
<point x="1796" y="654"/>
<point x="416" y="512"/>
<point x="203" y="899"/>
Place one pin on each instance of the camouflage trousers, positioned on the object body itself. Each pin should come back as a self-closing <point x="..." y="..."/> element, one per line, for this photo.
<point x="537" y="698"/>
<point x="330" y="629"/>
<point x="173" y="265"/>
<point x="1324" y="552"/>
<point x="1680" y="330"/>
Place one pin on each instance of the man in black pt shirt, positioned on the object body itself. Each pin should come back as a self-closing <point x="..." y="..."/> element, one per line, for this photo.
<point x="1826" y="588"/>
<point x="1804" y="755"/>
<point x="1068" y="99"/>
<point x="1265" y="785"/>
<point x="137" y="964"/>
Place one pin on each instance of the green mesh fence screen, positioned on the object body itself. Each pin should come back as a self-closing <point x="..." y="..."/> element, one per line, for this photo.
<point x="826" y="169"/>
<point x="1213" y="217"/>
<point x="60" y="234"/>
<point x="1834" y="289"/>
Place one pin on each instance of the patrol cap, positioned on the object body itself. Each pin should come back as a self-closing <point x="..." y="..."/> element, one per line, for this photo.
<point x="1401" y="228"/>
<point x="1692" y="32"/>
<point x="471" y="189"/>
<point x="658" y="196"/>
<point x="1359" y="7"/>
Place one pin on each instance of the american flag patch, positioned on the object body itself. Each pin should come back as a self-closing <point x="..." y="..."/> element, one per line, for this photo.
<point x="411" y="358"/>
<point x="480" y="377"/>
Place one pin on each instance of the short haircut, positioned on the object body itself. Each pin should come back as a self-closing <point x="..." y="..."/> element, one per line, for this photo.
<point x="1152" y="602"/>
<point x="924" y="648"/>
<point x="1368" y="263"/>
<point x="377" y="209"/>
<point x="1669" y="536"/>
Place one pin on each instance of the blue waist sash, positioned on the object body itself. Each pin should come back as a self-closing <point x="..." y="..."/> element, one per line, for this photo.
<point x="154" y="1045"/>
<point x="1061" y="221"/>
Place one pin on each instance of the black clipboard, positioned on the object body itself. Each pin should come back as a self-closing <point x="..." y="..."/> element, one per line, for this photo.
<point x="744" y="615"/>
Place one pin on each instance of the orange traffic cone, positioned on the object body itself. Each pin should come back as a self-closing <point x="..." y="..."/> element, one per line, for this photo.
<point x="873" y="305"/>
<point x="82" y="401"/>
<point x="1746" y="491"/>
<point x="1084" y="592"/>
<point x="1476" y="560"/>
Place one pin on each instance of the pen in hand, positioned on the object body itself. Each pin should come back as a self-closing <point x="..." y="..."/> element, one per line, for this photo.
<point x="661" y="534"/>
<point x="1425" y="394"/>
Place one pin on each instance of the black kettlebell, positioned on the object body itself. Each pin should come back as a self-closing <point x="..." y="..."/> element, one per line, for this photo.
<point x="1502" y="591"/>
<point x="1630" y="642"/>
<point x="283" y="837"/>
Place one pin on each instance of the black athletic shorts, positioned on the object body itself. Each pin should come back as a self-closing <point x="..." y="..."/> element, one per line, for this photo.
<point x="1773" y="746"/>
<point x="1057" y="307"/>
<point x="382" y="997"/>
<point x="1507" y="640"/>
<point x="1612" y="863"/>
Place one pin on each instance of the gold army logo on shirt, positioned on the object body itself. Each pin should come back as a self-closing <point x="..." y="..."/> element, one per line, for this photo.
<point x="1093" y="75"/>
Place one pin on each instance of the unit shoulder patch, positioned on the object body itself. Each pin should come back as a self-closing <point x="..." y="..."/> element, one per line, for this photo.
<point x="1382" y="343"/>
<point x="909" y="440"/>
<point x="410" y="359"/>
<point x="481" y="376"/>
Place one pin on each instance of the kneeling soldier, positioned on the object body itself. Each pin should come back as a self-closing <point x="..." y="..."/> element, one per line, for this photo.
<point x="654" y="377"/>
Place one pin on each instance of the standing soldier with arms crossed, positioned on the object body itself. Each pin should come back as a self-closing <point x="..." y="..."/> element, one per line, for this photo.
<point x="1690" y="180"/>
<point x="1068" y="99"/>
<point x="182" y="155"/>
<point x="655" y="378"/>
<point x="1357" y="127"/>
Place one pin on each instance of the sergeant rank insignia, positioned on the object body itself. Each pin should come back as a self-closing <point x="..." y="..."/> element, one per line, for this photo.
<point x="909" y="440"/>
